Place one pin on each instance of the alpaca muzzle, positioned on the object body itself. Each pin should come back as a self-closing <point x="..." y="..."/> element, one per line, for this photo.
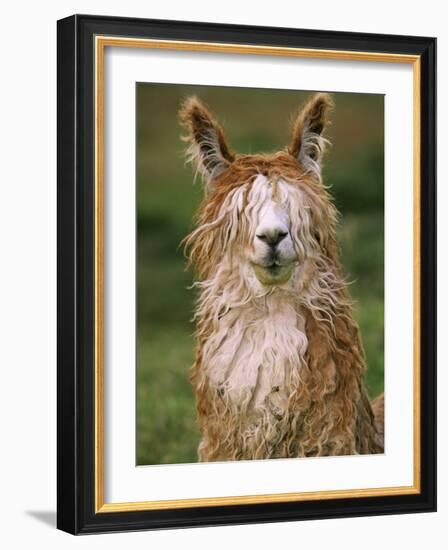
<point x="274" y="273"/>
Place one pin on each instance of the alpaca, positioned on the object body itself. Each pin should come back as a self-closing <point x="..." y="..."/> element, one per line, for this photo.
<point x="279" y="361"/>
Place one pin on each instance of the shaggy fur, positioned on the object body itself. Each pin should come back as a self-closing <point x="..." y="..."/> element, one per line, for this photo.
<point x="279" y="364"/>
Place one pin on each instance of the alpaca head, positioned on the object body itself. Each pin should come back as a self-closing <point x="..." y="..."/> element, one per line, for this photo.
<point x="268" y="216"/>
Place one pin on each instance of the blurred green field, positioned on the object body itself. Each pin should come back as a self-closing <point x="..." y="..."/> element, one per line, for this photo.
<point x="255" y="121"/>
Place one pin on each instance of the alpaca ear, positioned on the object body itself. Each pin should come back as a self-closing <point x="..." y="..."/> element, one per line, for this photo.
<point x="207" y="146"/>
<point x="307" y="142"/>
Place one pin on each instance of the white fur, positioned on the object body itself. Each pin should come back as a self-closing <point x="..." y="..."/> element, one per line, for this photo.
<point x="208" y="164"/>
<point x="256" y="352"/>
<point x="312" y="150"/>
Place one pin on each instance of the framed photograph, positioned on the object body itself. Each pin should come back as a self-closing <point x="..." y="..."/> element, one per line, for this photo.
<point x="246" y="274"/>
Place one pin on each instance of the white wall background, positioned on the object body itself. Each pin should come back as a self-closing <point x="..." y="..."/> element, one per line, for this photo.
<point x="28" y="272"/>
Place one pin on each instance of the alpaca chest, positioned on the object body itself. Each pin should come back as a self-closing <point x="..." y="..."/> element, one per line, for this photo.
<point x="253" y="359"/>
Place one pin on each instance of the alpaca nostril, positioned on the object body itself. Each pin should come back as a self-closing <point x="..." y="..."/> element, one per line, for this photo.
<point x="272" y="238"/>
<point x="281" y="236"/>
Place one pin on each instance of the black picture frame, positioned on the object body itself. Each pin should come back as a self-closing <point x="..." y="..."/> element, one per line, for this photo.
<point x="76" y="301"/>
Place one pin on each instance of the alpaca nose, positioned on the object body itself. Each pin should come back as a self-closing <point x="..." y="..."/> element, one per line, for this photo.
<point x="272" y="237"/>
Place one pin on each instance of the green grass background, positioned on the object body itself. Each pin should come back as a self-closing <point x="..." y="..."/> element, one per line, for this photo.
<point x="255" y="120"/>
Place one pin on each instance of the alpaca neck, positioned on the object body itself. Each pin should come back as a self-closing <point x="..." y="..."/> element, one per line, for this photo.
<point x="254" y="355"/>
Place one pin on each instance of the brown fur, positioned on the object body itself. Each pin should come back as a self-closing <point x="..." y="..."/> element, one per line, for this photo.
<point x="378" y="412"/>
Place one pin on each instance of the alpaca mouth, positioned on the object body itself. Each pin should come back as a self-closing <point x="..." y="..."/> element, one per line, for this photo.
<point x="273" y="273"/>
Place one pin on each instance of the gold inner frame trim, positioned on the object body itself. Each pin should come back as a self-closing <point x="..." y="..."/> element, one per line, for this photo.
<point x="101" y="42"/>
